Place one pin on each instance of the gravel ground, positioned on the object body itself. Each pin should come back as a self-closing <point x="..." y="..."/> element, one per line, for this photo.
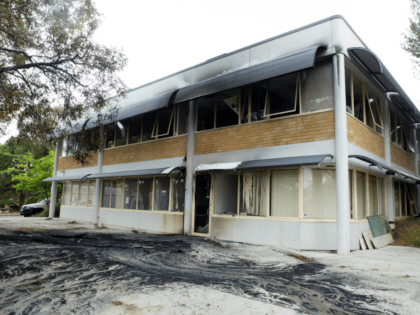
<point x="61" y="267"/>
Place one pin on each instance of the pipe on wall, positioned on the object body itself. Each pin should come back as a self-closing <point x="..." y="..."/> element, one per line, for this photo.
<point x="53" y="198"/>
<point x="96" y="201"/>
<point x="341" y="156"/>
<point x="189" y="176"/>
<point x="388" y="184"/>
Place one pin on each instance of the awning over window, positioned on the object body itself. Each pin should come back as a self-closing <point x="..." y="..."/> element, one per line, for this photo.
<point x="380" y="73"/>
<point x="294" y="62"/>
<point x="267" y="163"/>
<point x="154" y="171"/>
<point x="64" y="178"/>
<point x="389" y="170"/>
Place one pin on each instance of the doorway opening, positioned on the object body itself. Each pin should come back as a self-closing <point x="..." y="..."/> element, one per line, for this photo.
<point x="202" y="203"/>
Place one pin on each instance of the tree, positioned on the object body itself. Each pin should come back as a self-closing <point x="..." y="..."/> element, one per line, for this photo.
<point x="412" y="38"/>
<point x="53" y="77"/>
<point x="28" y="173"/>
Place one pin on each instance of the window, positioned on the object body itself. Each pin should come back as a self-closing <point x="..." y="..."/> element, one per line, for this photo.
<point x="121" y="133"/>
<point x="253" y="198"/>
<point x="373" y="195"/>
<point x="148" y="125"/>
<point x="92" y="192"/>
<point x="381" y="190"/>
<point x="117" y="192"/>
<point x="285" y="193"/>
<point x="106" y="193"/>
<point x="226" y="193"/>
<point x="404" y="199"/>
<point x="75" y="194"/>
<point x="178" y="193"/>
<point x="66" y="193"/>
<point x="283" y="95"/>
<point x="145" y="193"/>
<point x="319" y="194"/>
<point x="161" y="195"/>
<point x="400" y="135"/>
<point x="134" y="129"/>
<point x="163" y="126"/>
<point x="361" y="195"/>
<point x="130" y="193"/>
<point x="71" y="144"/>
<point x="83" y="194"/>
<point x="362" y="102"/>
<point x="110" y="135"/>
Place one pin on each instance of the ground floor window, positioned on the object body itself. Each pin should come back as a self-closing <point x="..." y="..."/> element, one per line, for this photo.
<point x="253" y="188"/>
<point x="144" y="193"/>
<point x="79" y="194"/>
<point x="404" y="199"/>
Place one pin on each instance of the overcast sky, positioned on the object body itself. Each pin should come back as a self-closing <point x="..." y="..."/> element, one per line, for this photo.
<point x="161" y="37"/>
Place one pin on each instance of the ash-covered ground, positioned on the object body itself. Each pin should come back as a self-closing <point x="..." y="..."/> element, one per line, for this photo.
<point x="83" y="271"/>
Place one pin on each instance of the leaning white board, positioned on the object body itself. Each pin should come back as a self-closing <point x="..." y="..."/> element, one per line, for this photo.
<point x="383" y="240"/>
<point x="368" y="235"/>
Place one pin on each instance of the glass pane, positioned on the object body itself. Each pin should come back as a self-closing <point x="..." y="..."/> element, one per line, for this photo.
<point x="121" y="134"/>
<point x="165" y="126"/>
<point x="361" y="195"/>
<point x="145" y="193"/>
<point x="245" y="97"/>
<point x="319" y="194"/>
<point x="92" y="192"/>
<point x="161" y="193"/>
<point x="369" y="110"/>
<point x="227" y="111"/>
<point x="110" y="135"/>
<point x="106" y="193"/>
<point x="393" y="126"/>
<point x="83" y="194"/>
<point x="66" y="193"/>
<point x="71" y="144"/>
<point x="178" y="194"/>
<point x="183" y="110"/>
<point x="348" y="91"/>
<point x="282" y="96"/>
<point x="374" y="104"/>
<point x="75" y="194"/>
<point x="130" y="193"/>
<point x="382" y="200"/>
<point x="134" y="129"/>
<point x="79" y="143"/>
<point x="253" y="201"/>
<point x="358" y="98"/>
<point x="373" y="196"/>
<point x="205" y="113"/>
<point x="117" y="192"/>
<point x="148" y="123"/>
<point x="285" y="193"/>
<point x="258" y="98"/>
<point x="397" y="205"/>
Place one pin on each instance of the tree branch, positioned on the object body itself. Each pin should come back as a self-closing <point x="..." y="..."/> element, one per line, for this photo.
<point x="17" y="52"/>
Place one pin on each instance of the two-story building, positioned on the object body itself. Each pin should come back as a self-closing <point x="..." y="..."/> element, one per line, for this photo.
<point x="293" y="141"/>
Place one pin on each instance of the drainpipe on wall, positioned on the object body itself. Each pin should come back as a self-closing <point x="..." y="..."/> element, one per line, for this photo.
<point x="416" y="168"/>
<point x="341" y="156"/>
<point x="190" y="171"/>
<point x="96" y="201"/>
<point x="53" y="198"/>
<point x="389" y="188"/>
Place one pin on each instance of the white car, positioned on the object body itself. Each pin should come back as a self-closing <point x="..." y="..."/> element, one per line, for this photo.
<point x="35" y="208"/>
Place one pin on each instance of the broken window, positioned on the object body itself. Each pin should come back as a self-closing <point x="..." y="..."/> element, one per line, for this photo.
<point x="227" y="108"/>
<point x="148" y="125"/>
<point x="66" y="193"/>
<point x="285" y="193"/>
<point x="205" y="113"/>
<point x="259" y="96"/>
<point x="163" y="126"/>
<point x="134" y="129"/>
<point x="253" y="197"/>
<point x="283" y="96"/>
<point x="226" y="194"/>
<point x="145" y="193"/>
<point x="182" y="118"/>
<point x="245" y="100"/>
<point x="106" y="193"/>
<point x="121" y="133"/>
<point x="361" y="195"/>
<point x="373" y="195"/>
<point x="178" y="193"/>
<point x="110" y="135"/>
<point x="161" y="193"/>
<point x="75" y="193"/>
<point x="92" y="192"/>
<point x="130" y="193"/>
<point x="319" y="194"/>
<point x="83" y="194"/>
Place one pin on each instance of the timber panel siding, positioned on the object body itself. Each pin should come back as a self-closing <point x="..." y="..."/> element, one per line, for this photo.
<point x="275" y="132"/>
<point x="362" y="136"/>
<point x="402" y="158"/>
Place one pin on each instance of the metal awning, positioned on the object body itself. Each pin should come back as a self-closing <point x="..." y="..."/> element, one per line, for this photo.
<point x="266" y="163"/>
<point x="291" y="63"/>
<point x="147" y="172"/>
<point x="383" y="77"/>
<point x="65" y="178"/>
<point x="389" y="170"/>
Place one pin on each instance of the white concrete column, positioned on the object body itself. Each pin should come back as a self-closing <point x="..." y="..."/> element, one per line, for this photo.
<point x="189" y="175"/>
<point x="97" y="201"/>
<point x="388" y="185"/>
<point x="341" y="156"/>
<point x="416" y="168"/>
<point x="53" y="198"/>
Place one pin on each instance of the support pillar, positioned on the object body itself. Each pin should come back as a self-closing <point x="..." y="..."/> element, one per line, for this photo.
<point x="388" y="185"/>
<point x="189" y="176"/>
<point x="416" y="168"/>
<point x="96" y="201"/>
<point x="53" y="198"/>
<point x="341" y="156"/>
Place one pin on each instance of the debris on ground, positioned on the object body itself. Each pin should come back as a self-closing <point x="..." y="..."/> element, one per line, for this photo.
<point x="407" y="232"/>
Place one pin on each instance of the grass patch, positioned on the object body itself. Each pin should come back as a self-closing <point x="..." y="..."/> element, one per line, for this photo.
<point x="407" y="233"/>
<point x="43" y="214"/>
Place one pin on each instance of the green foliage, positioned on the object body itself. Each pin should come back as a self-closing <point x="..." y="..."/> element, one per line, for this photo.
<point x="412" y="38"/>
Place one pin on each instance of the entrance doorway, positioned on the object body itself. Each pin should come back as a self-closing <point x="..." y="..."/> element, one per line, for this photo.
<point x="202" y="203"/>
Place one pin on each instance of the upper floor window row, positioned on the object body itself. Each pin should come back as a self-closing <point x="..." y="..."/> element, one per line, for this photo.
<point x="273" y="98"/>
<point x="363" y="103"/>
<point x="400" y="135"/>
